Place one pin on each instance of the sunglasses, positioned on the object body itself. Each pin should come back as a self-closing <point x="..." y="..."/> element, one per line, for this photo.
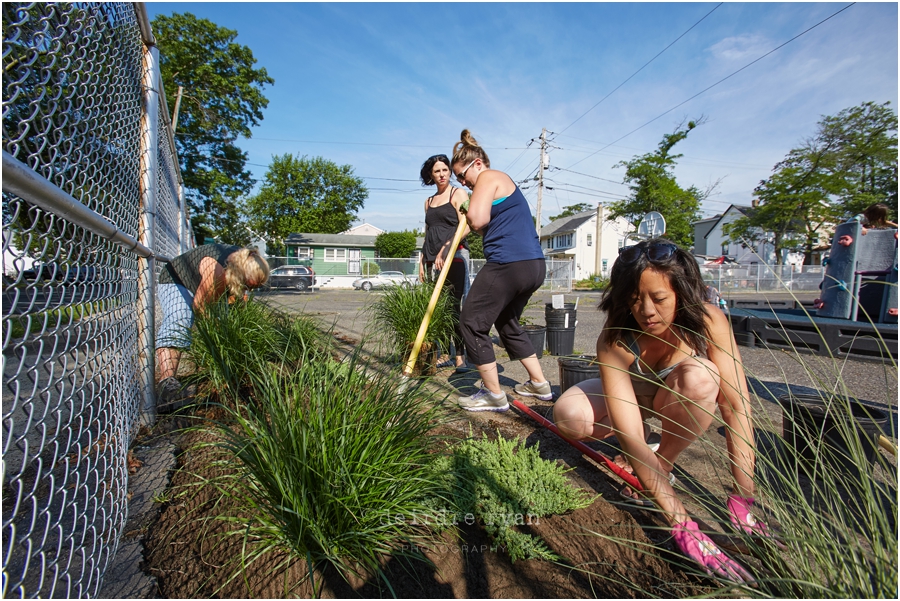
<point x="462" y="174"/>
<point x="656" y="253"/>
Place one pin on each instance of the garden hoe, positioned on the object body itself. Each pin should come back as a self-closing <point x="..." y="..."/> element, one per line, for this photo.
<point x="420" y="337"/>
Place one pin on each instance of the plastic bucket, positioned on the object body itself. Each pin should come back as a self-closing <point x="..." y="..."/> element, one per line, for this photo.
<point x="537" y="335"/>
<point x="573" y="370"/>
<point x="560" y="318"/>
<point x="823" y="431"/>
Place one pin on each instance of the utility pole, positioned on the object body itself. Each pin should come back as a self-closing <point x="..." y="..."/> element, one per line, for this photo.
<point x="175" y="112"/>
<point x="598" y="253"/>
<point x="537" y="215"/>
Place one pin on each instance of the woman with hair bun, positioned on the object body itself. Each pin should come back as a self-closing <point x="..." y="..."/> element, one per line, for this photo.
<point x="442" y="218"/>
<point x="513" y="271"/>
<point x="666" y="352"/>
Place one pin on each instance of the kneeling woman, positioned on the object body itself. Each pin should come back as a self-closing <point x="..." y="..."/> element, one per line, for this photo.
<point x="665" y="352"/>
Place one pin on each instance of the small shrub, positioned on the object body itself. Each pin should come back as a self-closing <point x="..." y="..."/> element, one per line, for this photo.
<point x="502" y="484"/>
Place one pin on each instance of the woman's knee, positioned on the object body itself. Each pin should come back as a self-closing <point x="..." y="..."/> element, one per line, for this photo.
<point x="696" y="379"/>
<point x="575" y="412"/>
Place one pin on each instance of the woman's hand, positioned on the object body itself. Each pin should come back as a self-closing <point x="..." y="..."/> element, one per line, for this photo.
<point x="440" y="258"/>
<point x="699" y="547"/>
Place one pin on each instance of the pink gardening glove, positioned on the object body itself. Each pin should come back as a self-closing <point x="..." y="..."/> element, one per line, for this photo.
<point x="742" y="517"/>
<point x="701" y="549"/>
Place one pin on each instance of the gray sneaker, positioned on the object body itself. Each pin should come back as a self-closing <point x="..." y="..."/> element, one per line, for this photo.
<point x="541" y="391"/>
<point x="172" y="394"/>
<point x="483" y="400"/>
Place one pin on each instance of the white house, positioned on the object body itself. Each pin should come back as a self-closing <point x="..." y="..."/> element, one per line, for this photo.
<point x="715" y="242"/>
<point x="363" y="229"/>
<point x="577" y="238"/>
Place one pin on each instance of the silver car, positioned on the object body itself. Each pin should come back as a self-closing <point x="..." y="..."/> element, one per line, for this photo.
<point x="383" y="279"/>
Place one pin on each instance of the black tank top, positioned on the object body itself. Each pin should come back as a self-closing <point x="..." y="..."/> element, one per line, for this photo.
<point x="441" y="223"/>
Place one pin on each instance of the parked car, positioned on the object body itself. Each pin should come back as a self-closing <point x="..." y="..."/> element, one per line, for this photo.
<point x="296" y="277"/>
<point x="385" y="278"/>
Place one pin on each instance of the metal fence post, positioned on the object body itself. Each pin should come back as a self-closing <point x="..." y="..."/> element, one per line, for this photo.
<point x="147" y="267"/>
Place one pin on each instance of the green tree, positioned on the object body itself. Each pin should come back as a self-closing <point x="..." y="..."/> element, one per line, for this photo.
<point x="570" y="210"/>
<point x="395" y="244"/>
<point x="653" y="188"/>
<point x="476" y="246"/>
<point x="850" y="163"/>
<point x="305" y="195"/>
<point x="222" y="99"/>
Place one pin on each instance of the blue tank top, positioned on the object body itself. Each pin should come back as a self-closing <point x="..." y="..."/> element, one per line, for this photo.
<point x="510" y="235"/>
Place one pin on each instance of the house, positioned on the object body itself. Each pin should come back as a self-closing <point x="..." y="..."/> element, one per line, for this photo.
<point x="715" y="242"/>
<point x="363" y="229"/>
<point x="338" y="259"/>
<point x="578" y="239"/>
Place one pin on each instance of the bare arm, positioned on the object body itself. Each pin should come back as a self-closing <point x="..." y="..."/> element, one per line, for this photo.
<point x="491" y="185"/>
<point x="733" y="401"/>
<point x="212" y="283"/>
<point x="625" y="416"/>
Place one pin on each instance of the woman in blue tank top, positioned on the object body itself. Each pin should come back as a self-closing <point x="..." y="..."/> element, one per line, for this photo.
<point x="513" y="272"/>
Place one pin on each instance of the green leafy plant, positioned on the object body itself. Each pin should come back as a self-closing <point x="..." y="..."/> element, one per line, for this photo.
<point x="502" y="484"/>
<point x="592" y="283"/>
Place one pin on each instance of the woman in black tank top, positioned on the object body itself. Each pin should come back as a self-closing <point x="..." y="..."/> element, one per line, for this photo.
<point x="441" y="220"/>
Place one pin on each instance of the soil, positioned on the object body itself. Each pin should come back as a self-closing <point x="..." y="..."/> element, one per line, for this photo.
<point x="189" y="558"/>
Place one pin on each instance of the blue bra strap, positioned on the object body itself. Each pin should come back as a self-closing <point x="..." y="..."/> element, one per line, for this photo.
<point x="499" y="200"/>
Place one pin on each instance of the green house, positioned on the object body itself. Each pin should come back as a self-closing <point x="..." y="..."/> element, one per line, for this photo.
<point x="337" y="259"/>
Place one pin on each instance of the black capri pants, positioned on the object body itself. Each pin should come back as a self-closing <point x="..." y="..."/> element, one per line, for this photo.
<point x="497" y="297"/>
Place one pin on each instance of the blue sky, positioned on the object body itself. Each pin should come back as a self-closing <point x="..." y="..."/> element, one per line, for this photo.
<point x="383" y="86"/>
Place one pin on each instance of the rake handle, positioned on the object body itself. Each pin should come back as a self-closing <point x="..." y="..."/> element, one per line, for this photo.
<point x="629" y="479"/>
<point x="420" y="336"/>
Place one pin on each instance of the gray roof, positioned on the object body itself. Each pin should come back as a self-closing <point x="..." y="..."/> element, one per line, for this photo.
<point x="338" y="240"/>
<point x="567" y="224"/>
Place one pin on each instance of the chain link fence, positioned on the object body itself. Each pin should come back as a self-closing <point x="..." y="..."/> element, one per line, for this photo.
<point x="91" y="193"/>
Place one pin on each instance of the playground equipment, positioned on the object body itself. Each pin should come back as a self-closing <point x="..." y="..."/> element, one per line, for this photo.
<point x="861" y="274"/>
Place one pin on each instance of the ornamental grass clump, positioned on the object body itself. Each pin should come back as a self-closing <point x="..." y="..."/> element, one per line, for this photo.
<point x="230" y="341"/>
<point x="397" y="315"/>
<point x="503" y="484"/>
<point x="326" y="458"/>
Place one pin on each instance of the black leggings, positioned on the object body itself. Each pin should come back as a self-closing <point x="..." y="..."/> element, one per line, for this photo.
<point x="456" y="282"/>
<point x="497" y="297"/>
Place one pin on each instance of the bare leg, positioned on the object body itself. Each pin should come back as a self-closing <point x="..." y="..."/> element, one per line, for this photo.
<point x="533" y="367"/>
<point x="490" y="379"/>
<point x="581" y="413"/>
<point x="167" y="359"/>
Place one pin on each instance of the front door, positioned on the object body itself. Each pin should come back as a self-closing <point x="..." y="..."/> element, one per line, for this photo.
<point x="353" y="262"/>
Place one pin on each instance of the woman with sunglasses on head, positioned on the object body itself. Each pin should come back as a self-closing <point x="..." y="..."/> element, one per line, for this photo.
<point x="442" y="218"/>
<point x="665" y="352"/>
<point x="514" y="269"/>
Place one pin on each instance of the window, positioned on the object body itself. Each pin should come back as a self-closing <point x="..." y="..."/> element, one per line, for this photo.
<point x="335" y="255"/>
<point x="305" y="252"/>
<point x="590" y="239"/>
<point x="564" y="241"/>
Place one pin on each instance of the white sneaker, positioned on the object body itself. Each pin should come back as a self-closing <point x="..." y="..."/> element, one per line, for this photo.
<point x="541" y="391"/>
<point x="484" y="400"/>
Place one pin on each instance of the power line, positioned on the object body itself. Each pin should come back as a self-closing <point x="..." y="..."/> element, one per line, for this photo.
<point x="593" y="176"/>
<point x="642" y="68"/>
<point x="718" y="82"/>
<point x="187" y="135"/>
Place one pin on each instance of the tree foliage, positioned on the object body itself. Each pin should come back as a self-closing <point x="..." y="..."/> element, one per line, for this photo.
<point x="850" y="163"/>
<point x="395" y="244"/>
<point x="305" y="195"/>
<point x="653" y="188"/>
<point x="222" y="98"/>
<point x="570" y="210"/>
<point x="476" y="246"/>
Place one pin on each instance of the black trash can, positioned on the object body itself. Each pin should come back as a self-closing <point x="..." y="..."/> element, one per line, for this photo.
<point x="560" y="329"/>
<point x="821" y="430"/>
<point x="578" y="368"/>
<point x="536" y="334"/>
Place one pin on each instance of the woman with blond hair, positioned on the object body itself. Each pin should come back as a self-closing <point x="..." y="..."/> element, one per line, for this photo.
<point x="514" y="269"/>
<point x="191" y="282"/>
